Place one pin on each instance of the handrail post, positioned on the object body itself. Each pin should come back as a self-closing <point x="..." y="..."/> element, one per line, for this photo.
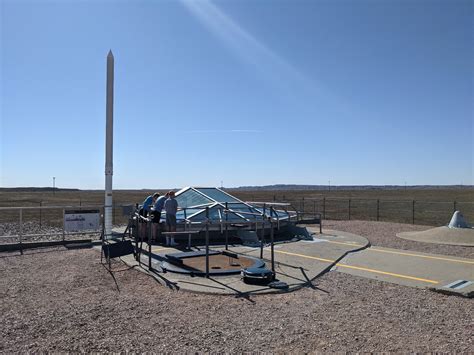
<point x="138" y="239"/>
<point x="324" y="207"/>
<point x="149" y="225"/>
<point x="263" y="230"/>
<point x="207" y="242"/>
<point x="272" y="243"/>
<point x="226" y="227"/>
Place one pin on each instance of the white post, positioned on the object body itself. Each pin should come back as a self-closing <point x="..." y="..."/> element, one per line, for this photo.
<point x="109" y="135"/>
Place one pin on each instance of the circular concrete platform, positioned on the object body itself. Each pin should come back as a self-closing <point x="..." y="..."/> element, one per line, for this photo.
<point x="442" y="235"/>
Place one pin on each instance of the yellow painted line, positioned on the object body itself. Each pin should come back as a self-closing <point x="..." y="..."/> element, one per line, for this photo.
<point x="387" y="273"/>
<point x="343" y="243"/>
<point x="360" y="268"/>
<point x="406" y="254"/>
<point x="304" y="256"/>
<point x="161" y="249"/>
<point x="422" y="256"/>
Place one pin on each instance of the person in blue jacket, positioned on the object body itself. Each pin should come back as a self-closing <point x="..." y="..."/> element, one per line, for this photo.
<point x="156" y="213"/>
<point x="145" y="211"/>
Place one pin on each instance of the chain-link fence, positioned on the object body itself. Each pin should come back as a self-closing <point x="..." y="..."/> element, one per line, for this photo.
<point x="435" y="213"/>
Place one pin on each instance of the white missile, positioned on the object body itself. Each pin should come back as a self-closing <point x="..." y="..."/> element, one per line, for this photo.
<point x="109" y="144"/>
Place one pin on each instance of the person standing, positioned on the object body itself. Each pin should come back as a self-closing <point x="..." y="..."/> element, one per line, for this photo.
<point x="145" y="211"/>
<point x="156" y="212"/>
<point x="171" y="207"/>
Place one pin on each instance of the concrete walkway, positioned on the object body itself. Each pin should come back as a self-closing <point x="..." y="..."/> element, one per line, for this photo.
<point x="296" y="271"/>
<point x="298" y="263"/>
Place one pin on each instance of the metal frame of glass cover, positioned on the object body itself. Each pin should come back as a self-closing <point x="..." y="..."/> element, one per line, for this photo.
<point x="196" y="199"/>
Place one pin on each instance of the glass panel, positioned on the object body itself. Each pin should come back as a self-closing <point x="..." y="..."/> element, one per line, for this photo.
<point x="217" y="195"/>
<point x="240" y="207"/>
<point x="215" y="217"/>
<point x="267" y="211"/>
<point x="191" y="198"/>
<point x="191" y="211"/>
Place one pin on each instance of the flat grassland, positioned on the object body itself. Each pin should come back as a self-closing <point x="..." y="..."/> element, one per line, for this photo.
<point x="428" y="205"/>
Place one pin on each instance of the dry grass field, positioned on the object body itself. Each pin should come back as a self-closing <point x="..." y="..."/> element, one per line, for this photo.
<point x="428" y="206"/>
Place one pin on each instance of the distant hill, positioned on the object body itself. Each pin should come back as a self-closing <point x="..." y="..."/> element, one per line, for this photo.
<point x="34" y="189"/>
<point x="279" y="187"/>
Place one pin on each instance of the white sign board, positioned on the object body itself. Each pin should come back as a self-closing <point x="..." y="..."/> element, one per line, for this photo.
<point x="81" y="220"/>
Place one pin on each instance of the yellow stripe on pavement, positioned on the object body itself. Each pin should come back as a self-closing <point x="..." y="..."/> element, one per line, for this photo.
<point x="343" y="243"/>
<point x="402" y="253"/>
<point x="160" y="249"/>
<point x="359" y="268"/>
<point x="387" y="273"/>
<point x="422" y="256"/>
<point x="304" y="256"/>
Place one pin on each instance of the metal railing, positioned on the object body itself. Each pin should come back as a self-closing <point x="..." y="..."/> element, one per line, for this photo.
<point x="204" y="225"/>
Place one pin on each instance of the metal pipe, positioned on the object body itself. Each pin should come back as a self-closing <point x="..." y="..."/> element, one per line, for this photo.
<point x="263" y="230"/>
<point x="272" y="244"/>
<point x="226" y="227"/>
<point x="149" y="245"/>
<point x="207" y="242"/>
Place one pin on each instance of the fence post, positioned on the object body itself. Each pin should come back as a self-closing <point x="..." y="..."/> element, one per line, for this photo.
<point x="64" y="235"/>
<point x="324" y="207"/>
<point x="349" y="209"/>
<point x="454" y="206"/>
<point x="378" y="210"/>
<point x="41" y="213"/>
<point x="21" y="230"/>
<point x="413" y="212"/>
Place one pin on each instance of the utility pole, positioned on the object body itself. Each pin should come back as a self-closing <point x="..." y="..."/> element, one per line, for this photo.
<point x="54" y="185"/>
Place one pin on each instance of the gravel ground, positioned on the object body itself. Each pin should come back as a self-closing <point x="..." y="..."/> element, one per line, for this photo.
<point x="9" y="230"/>
<point x="63" y="300"/>
<point x="383" y="234"/>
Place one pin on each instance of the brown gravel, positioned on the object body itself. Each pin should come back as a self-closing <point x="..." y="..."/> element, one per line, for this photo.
<point x="383" y="234"/>
<point x="59" y="300"/>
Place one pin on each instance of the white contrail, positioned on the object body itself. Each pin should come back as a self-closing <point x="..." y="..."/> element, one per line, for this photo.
<point x="246" y="46"/>
<point x="239" y="40"/>
<point x="224" y="131"/>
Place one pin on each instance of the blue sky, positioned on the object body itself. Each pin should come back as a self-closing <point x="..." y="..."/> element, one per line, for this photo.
<point x="244" y="92"/>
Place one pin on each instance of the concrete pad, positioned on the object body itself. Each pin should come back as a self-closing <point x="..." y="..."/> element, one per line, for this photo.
<point x="442" y="235"/>
<point x="407" y="268"/>
<point x="458" y="287"/>
<point x="296" y="263"/>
